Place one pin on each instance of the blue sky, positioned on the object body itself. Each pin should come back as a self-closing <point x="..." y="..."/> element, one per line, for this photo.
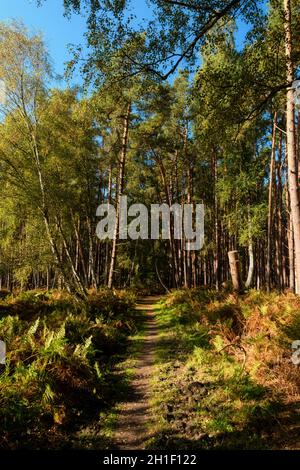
<point x="58" y="30"/>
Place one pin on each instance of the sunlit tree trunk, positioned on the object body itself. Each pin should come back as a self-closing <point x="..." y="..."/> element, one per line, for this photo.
<point x="120" y="190"/>
<point x="235" y="270"/>
<point x="250" y="253"/>
<point x="270" y="205"/>
<point x="291" y="142"/>
<point x="216" y="219"/>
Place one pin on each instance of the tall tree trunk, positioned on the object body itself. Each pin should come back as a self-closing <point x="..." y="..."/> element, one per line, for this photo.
<point x="250" y="253"/>
<point x="91" y="268"/>
<point x="290" y="239"/>
<point x="169" y="198"/>
<point x="80" y="250"/>
<point x="216" y="219"/>
<point x="291" y="143"/>
<point x="270" y="205"/>
<point x="279" y="207"/>
<point x="189" y="201"/>
<point x="107" y="242"/>
<point x="120" y="190"/>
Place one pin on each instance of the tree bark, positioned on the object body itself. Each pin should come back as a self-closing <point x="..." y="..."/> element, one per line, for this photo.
<point x="290" y="239"/>
<point x="250" y="253"/>
<point x="119" y="194"/>
<point x="216" y="219"/>
<point x="291" y="143"/>
<point x="270" y="205"/>
<point x="235" y="271"/>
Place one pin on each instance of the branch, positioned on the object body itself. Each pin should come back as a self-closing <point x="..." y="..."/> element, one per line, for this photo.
<point x="181" y="4"/>
<point x="207" y="27"/>
<point x="256" y="110"/>
<point x="259" y="107"/>
<point x="160" y="279"/>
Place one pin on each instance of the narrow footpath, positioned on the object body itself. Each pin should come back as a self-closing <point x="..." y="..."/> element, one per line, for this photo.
<point x="132" y="429"/>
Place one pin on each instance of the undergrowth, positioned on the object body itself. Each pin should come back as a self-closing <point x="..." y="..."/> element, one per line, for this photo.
<point x="58" y="382"/>
<point x="224" y="377"/>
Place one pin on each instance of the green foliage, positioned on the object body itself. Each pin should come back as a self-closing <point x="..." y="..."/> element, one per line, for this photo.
<point x="229" y="391"/>
<point x="57" y="375"/>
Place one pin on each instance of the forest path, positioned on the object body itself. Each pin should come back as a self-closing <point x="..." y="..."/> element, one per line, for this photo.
<point x="132" y="425"/>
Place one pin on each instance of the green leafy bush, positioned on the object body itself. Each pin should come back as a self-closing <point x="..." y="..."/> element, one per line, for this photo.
<point x="57" y="374"/>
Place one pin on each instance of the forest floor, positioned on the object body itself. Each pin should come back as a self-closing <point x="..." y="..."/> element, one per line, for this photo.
<point x="132" y="426"/>
<point x="195" y="369"/>
<point x="210" y="370"/>
<point x="223" y="375"/>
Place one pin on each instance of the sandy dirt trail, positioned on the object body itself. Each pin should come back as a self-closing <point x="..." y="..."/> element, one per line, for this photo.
<point x="131" y="429"/>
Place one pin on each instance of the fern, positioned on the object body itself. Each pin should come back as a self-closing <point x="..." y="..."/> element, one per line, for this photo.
<point x="98" y="371"/>
<point x="81" y="350"/>
<point x="55" y="343"/>
<point x="33" y="329"/>
<point x="49" y="339"/>
<point x="48" y="396"/>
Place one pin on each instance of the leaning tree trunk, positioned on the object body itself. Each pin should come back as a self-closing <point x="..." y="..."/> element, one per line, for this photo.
<point x="72" y="284"/>
<point x="77" y="282"/>
<point x="291" y="142"/>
